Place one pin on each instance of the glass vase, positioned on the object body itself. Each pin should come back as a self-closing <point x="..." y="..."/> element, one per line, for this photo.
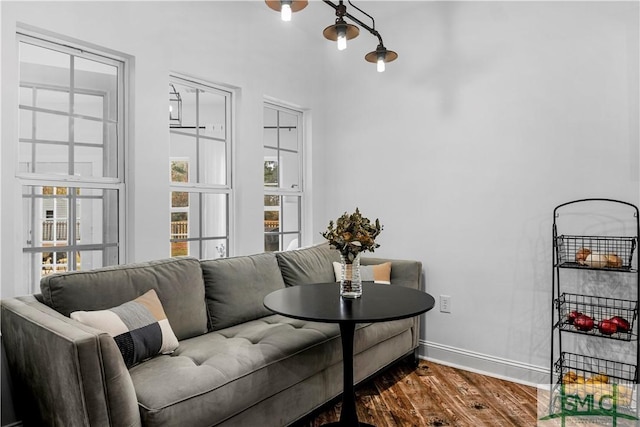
<point x="350" y="280"/>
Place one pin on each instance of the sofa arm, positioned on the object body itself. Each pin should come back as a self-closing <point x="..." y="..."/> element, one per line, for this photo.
<point x="403" y="272"/>
<point x="64" y="373"/>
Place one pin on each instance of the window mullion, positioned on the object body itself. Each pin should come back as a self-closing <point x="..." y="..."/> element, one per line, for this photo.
<point x="71" y="167"/>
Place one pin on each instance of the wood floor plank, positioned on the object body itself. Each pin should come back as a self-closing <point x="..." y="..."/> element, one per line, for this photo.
<point x="437" y="395"/>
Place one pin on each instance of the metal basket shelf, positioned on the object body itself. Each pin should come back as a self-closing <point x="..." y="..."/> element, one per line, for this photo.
<point x="588" y="366"/>
<point x="598" y="309"/>
<point x="595" y="252"/>
<point x="590" y="375"/>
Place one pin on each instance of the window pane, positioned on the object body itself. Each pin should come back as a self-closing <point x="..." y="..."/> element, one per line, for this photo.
<point x="179" y="171"/>
<point x="52" y="127"/>
<point x="88" y="105"/>
<point x="43" y="66"/>
<point x="215" y="248"/>
<point x="179" y="199"/>
<point x="271" y="242"/>
<point x="51" y="212"/>
<point x="289" y="171"/>
<point x="214" y="211"/>
<point x="189" y="106"/>
<point x="184" y="147"/>
<point x="26" y="124"/>
<point x="270" y="117"/>
<point x="213" y="167"/>
<point x="290" y="213"/>
<point x="52" y="100"/>
<point x="88" y="161"/>
<point x="26" y="96"/>
<point x="212" y="114"/>
<point x="95" y="80"/>
<point x="288" y="131"/>
<point x="88" y="131"/>
<point x="271" y="169"/>
<point x="290" y="241"/>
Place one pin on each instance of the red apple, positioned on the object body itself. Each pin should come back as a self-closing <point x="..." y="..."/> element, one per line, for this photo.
<point x="607" y="327"/>
<point x="583" y="323"/>
<point x="571" y="317"/>
<point x="621" y="323"/>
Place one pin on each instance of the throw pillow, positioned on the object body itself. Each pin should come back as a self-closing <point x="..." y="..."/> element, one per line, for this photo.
<point x="139" y="327"/>
<point x="380" y="273"/>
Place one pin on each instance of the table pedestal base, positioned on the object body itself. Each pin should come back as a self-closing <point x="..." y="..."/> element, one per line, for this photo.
<point x="348" y="415"/>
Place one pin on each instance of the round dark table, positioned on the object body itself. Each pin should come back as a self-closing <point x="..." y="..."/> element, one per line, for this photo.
<point x="322" y="303"/>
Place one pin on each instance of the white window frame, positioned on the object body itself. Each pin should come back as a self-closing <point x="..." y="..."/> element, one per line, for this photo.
<point x="284" y="192"/>
<point x="208" y="188"/>
<point x="117" y="183"/>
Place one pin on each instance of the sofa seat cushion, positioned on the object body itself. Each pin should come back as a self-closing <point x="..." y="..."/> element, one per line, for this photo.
<point x="215" y="376"/>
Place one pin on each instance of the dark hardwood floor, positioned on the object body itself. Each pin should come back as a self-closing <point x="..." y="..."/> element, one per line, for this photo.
<point x="437" y="395"/>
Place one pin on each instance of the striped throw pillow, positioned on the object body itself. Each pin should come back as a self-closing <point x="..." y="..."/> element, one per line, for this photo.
<point x="140" y="327"/>
<point x="380" y="273"/>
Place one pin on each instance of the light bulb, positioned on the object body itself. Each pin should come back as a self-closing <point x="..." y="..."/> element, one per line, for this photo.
<point x="342" y="43"/>
<point x="285" y="12"/>
<point x="342" y="37"/>
<point x="380" y="65"/>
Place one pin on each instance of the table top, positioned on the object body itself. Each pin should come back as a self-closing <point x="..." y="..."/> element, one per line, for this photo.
<point x="322" y="303"/>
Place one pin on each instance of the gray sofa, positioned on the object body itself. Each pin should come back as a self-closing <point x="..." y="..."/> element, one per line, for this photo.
<point x="237" y="364"/>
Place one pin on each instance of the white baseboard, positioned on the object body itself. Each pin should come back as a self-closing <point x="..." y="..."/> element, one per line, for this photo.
<point x="510" y="370"/>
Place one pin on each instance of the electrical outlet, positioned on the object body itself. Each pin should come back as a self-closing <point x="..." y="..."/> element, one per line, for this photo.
<point x="445" y="304"/>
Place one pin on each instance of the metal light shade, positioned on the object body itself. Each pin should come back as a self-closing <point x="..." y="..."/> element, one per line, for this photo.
<point x="332" y="31"/>
<point x="387" y="55"/>
<point x="175" y="106"/>
<point x="296" y="5"/>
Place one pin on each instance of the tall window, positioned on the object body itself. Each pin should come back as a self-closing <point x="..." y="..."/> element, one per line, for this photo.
<point x="71" y="143"/>
<point x="282" y="177"/>
<point x="199" y="126"/>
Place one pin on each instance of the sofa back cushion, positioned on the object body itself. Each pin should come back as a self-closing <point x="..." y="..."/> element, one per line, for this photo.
<point x="177" y="281"/>
<point x="308" y="265"/>
<point x="235" y="288"/>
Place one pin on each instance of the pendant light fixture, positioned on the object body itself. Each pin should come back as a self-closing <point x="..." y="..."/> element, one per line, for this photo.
<point x="341" y="31"/>
<point x="287" y="7"/>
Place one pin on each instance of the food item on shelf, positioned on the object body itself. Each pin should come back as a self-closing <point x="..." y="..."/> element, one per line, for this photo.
<point x="582" y="255"/>
<point x="583" y="323"/>
<point x="600" y="378"/>
<point x="607" y="327"/>
<point x="621" y="323"/>
<point x="624" y="395"/>
<point x="613" y="261"/>
<point x="569" y="378"/>
<point x="596" y="260"/>
<point x="571" y="317"/>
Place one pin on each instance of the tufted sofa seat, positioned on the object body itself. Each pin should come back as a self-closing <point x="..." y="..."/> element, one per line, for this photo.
<point x="237" y="364"/>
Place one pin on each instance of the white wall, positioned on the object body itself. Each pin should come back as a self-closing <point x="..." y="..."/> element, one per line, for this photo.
<point x="494" y="113"/>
